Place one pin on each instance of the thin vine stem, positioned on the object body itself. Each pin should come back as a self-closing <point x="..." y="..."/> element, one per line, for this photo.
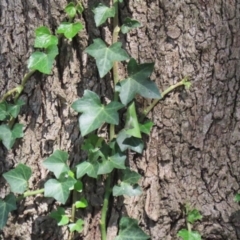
<point x="30" y="193"/>
<point x="108" y="189"/>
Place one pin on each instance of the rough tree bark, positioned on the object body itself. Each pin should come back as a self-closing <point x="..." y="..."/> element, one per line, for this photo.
<point x="193" y="152"/>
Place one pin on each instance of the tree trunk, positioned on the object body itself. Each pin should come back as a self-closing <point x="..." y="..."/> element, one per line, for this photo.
<point x="193" y="153"/>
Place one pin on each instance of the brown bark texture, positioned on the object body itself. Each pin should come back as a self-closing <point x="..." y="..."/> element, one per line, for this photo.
<point x="193" y="153"/>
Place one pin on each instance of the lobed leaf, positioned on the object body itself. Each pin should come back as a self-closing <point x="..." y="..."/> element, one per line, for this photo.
<point x="102" y="13"/>
<point x="129" y="229"/>
<point x="14" y="109"/>
<point x="87" y="168"/>
<point x="18" y="178"/>
<point x="193" y="216"/>
<point x="44" y="38"/>
<point x="129" y="24"/>
<point x="78" y="226"/>
<point x="60" y="216"/>
<point x="57" y="163"/>
<point x="126" y="189"/>
<point x="94" y="114"/>
<point x="71" y="10"/>
<point x="69" y="30"/>
<point x="186" y="235"/>
<point x="146" y="127"/>
<point x="7" y="205"/>
<point x="82" y="203"/>
<point x="106" y="56"/>
<point x="3" y="111"/>
<point x="138" y="82"/>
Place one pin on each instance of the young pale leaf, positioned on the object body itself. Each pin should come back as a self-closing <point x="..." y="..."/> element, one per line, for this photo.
<point x="237" y="197"/>
<point x="57" y="163"/>
<point x="7" y="205"/>
<point x="59" y="189"/>
<point x="129" y="24"/>
<point x="82" y="203"/>
<point x="71" y="10"/>
<point x="87" y="168"/>
<point x="79" y="8"/>
<point x="193" y="216"/>
<point x="138" y="82"/>
<point x="132" y="125"/>
<point x="146" y="127"/>
<point x="125" y="142"/>
<point x="78" y="226"/>
<point x="69" y="30"/>
<point x="126" y="189"/>
<point x="9" y="136"/>
<point x="43" y="62"/>
<point x="44" y="38"/>
<point x="3" y="111"/>
<point x="94" y="113"/>
<point x="18" y="178"/>
<point x="129" y="229"/>
<point x="106" y="56"/>
<point x="14" y="109"/>
<point x="186" y="235"/>
<point x="60" y="216"/>
<point x="102" y="13"/>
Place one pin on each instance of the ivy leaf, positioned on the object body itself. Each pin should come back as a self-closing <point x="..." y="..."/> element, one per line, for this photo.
<point x="92" y="143"/>
<point x="116" y="161"/>
<point x="193" y="216"/>
<point x="82" y="203"/>
<point x="132" y="125"/>
<point x="18" y="178"/>
<point x="7" y="205"/>
<point x="44" y="38"/>
<point x="95" y="113"/>
<point x="9" y="136"/>
<point x="71" y="10"/>
<point x="3" y="111"/>
<point x="102" y="13"/>
<point x="130" y="176"/>
<point x="69" y="30"/>
<point x="138" y="82"/>
<point x="106" y="56"/>
<point x="129" y="229"/>
<point x="14" y="109"/>
<point x="146" y="127"/>
<point x="186" y="235"/>
<point x="79" y="8"/>
<point x="125" y="142"/>
<point x="87" y="168"/>
<point x="43" y="62"/>
<point x="78" y="226"/>
<point x="60" y="216"/>
<point x="57" y="163"/>
<point x="129" y="24"/>
<point x="237" y="197"/>
<point x="78" y="186"/>
<point x="59" y="189"/>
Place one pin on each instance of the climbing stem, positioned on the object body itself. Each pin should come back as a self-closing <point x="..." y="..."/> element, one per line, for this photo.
<point x="184" y="82"/>
<point x="108" y="189"/>
<point x="30" y="193"/>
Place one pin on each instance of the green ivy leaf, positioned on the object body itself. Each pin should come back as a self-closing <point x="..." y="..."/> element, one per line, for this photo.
<point x="3" y="111"/>
<point x="60" y="216"/>
<point x="146" y="127"/>
<point x="115" y="161"/>
<point x="193" y="216"/>
<point x="95" y="113"/>
<point x="132" y="125"/>
<point x="69" y="30"/>
<point x="78" y="226"/>
<point x="87" y="168"/>
<point x="79" y="8"/>
<point x="59" y="189"/>
<point x="106" y="56"/>
<point x="129" y="24"/>
<point x="7" y="205"/>
<point x="71" y="10"/>
<point x="82" y="203"/>
<point x="125" y="142"/>
<point x="57" y="163"/>
<point x="14" y="109"/>
<point x="129" y="229"/>
<point x="237" y="197"/>
<point x="138" y="82"/>
<point x="102" y="13"/>
<point x="9" y="136"/>
<point x="18" y="178"/>
<point x="78" y="186"/>
<point x="130" y="176"/>
<point x="44" y="38"/>
<point x="186" y="235"/>
<point x="92" y="143"/>
<point x="43" y="62"/>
